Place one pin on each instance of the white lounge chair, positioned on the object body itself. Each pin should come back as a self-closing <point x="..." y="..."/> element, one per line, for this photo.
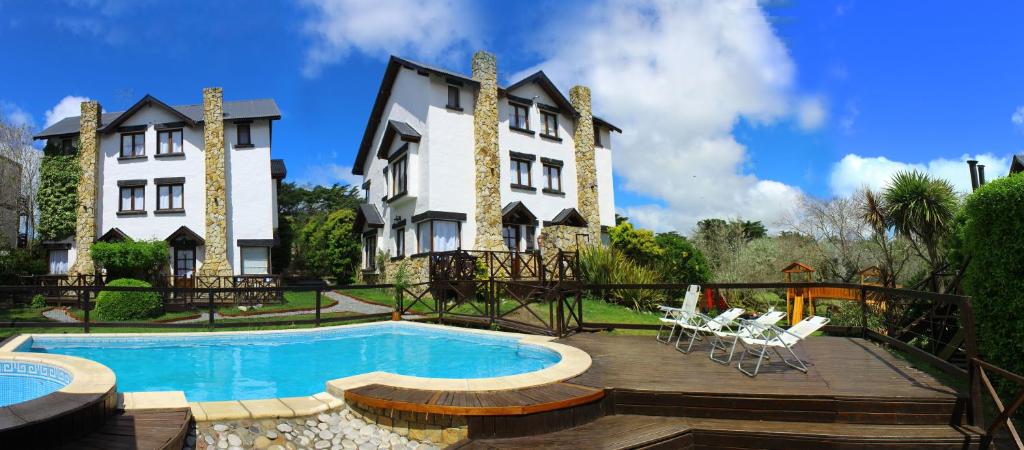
<point x="674" y="315"/>
<point x="746" y="328"/>
<point x="702" y="324"/>
<point x="776" y="338"/>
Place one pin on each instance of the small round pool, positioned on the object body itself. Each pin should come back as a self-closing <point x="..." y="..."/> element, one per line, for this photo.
<point x="21" y="381"/>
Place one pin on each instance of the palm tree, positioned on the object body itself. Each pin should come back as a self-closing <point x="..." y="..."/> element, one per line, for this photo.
<point x="921" y="208"/>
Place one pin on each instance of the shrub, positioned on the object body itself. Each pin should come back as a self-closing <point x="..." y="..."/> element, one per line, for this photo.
<point x="131" y="259"/>
<point x="21" y="262"/>
<point x="38" y="301"/>
<point x="636" y="243"/>
<point x="602" y="265"/>
<point x="121" y="305"/>
<point x="992" y="219"/>
<point x="328" y="246"/>
<point x="680" y="262"/>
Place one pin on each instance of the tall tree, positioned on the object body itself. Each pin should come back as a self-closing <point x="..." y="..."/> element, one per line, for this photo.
<point x="922" y="209"/>
<point x="16" y="145"/>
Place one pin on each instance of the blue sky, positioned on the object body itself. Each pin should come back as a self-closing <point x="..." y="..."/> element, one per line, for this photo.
<point x="731" y="108"/>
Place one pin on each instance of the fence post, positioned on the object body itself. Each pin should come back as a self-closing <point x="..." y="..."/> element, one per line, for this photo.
<point x="863" y="312"/>
<point x="209" y="294"/>
<point x="399" y="303"/>
<point x="317" y="324"/>
<point x="974" y="409"/>
<point x="561" y="296"/>
<point x="85" y="310"/>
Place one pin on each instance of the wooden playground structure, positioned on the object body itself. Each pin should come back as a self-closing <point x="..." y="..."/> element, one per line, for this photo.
<point x="800" y="301"/>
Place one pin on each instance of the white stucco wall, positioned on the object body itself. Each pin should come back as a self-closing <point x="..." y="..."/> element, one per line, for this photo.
<point x="250" y="188"/>
<point x="605" y="185"/>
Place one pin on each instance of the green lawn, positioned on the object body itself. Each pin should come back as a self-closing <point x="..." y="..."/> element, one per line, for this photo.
<point x="23" y="315"/>
<point x="292" y="301"/>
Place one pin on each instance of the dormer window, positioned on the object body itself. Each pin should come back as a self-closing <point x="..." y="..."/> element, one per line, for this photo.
<point x="519" y="117"/>
<point x="244" y="135"/>
<point x="133" y="145"/>
<point x="454" y="100"/>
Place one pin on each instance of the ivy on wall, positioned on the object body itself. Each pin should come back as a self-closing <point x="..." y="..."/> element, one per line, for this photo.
<point x="58" y="195"/>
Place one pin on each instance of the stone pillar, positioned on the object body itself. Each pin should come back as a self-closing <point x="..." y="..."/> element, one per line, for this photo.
<point x="85" y="214"/>
<point x="216" y="260"/>
<point x="486" y="154"/>
<point x="586" y="167"/>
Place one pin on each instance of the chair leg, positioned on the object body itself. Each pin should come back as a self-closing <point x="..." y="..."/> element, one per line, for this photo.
<point x="801" y="367"/>
<point x="694" y="336"/>
<point x="719" y="344"/>
<point x="671" y="332"/>
<point x="757" y="368"/>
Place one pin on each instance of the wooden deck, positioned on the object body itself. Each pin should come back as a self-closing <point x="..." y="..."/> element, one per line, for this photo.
<point x="515" y="402"/>
<point x="156" y="429"/>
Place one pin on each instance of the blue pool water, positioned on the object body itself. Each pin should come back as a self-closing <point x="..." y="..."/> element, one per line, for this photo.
<point x="22" y="381"/>
<point x="251" y="366"/>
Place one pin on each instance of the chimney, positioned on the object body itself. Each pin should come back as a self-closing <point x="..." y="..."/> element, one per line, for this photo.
<point x="85" y="214"/>
<point x="485" y="154"/>
<point x="586" y="168"/>
<point x="216" y="261"/>
<point x="981" y="175"/>
<point x="973" y="166"/>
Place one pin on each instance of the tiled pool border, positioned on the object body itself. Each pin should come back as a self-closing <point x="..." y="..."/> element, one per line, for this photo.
<point x="90" y="383"/>
<point x="573" y="362"/>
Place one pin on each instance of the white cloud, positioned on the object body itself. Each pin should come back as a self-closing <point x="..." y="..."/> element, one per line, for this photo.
<point x="676" y="77"/>
<point x="811" y="113"/>
<point x="329" y="174"/>
<point x="1018" y="117"/>
<point x="428" y="29"/>
<point x="15" y="115"/>
<point x="69" y="106"/>
<point x="855" y="171"/>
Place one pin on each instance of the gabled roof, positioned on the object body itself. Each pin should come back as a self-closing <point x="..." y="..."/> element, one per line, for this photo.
<point x="391" y="73"/>
<point x="148" y="100"/>
<point x="568" y="216"/>
<point x="797" y="267"/>
<point x="114" y="235"/>
<point x="186" y="234"/>
<point x="404" y="131"/>
<point x="517" y="213"/>
<point x="547" y="85"/>
<point x="233" y="110"/>
<point x="1017" y="165"/>
<point x="367" y="216"/>
<point x="277" y="169"/>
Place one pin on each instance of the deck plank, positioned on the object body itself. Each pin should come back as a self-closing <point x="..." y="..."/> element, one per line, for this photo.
<point x="138" y="430"/>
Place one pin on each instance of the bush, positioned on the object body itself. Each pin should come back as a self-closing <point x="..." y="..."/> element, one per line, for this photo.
<point x="680" y="262"/>
<point x="131" y="259"/>
<point x="38" y="301"/>
<point x="992" y="219"/>
<point x="636" y="243"/>
<point x="328" y="246"/>
<point x="120" y="305"/>
<point x="602" y="265"/>
<point x="21" y="262"/>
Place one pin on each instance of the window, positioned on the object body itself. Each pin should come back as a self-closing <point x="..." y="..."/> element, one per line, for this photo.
<point x="531" y="239"/>
<point x="370" y="252"/>
<point x="133" y="198"/>
<point x="520" y="116"/>
<point x="521" y="173"/>
<point x="169" y="142"/>
<point x="597" y="137"/>
<point x="170" y="196"/>
<point x="67" y="145"/>
<point x="185" y="261"/>
<point x="453" y="97"/>
<point x="399" y="177"/>
<point x="255" y="260"/>
<point x="510" y="234"/>
<point x="58" y="262"/>
<point x="399" y="242"/>
<point x="438" y="236"/>
<point x="366" y="192"/>
<point x="553" y="178"/>
<point x="244" y="135"/>
<point x="549" y="124"/>
<point x="133" y="145"/>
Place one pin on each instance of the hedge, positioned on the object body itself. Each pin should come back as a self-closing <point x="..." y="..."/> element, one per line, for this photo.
<point x="992" y="220"/>
<point x="127" y="259"/>
<point x="121" y="305"/>
<point x="58" y="195"/>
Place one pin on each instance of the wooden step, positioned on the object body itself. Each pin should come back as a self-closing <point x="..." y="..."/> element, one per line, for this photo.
<point x="647" y="432"/>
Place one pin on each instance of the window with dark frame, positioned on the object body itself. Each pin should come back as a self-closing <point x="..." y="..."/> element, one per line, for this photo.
<point x="255" y="260"/>
<point x="597" y="137"/>
<point x="170" y="197"/>
<point x="133" y="145"/>
<point x="169" y="142"/>
<point x="520" y="173"/>
<point x="454" y="102"/>
<point x="244" y="134"/>
<point x="510" y="234"/>
<point x="399" y="177"/>
<point x="438" y="236"/>
<point x="520" y="117"/>
<point x="399" y="242"/>
<point x="531" y="238"/>
<point x="553" y="178"/>
<point x="133" y="198"/>
<point x="549" y="122"/>
<point x="370" y="252"/>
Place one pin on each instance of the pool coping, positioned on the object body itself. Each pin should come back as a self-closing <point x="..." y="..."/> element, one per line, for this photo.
<point x="573" y="362"/>
<point x="90" y="383"/>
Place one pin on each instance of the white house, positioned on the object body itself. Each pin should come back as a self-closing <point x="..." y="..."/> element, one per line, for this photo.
<point x="451" y="161"/>
<point x="199" y="176"/>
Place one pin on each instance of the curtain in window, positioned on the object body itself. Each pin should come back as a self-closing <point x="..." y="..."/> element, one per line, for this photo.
<point x="139" y="199"/>
<point x="255" y="261"/>
<point x="446" y="236"/>
<point x="58" y="262"/>
<point x="126" y="199"/>
<point x="423" y="240"/>
<point x="176" y="196"/>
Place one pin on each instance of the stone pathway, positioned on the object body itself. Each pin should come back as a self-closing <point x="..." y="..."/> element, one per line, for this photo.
<point x="59" y="315"/>
<point x="336" y="431"/>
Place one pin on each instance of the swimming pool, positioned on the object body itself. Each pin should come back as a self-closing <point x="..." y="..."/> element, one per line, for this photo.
<point x="248" y="365"/>
<point x="21" y="381"/>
